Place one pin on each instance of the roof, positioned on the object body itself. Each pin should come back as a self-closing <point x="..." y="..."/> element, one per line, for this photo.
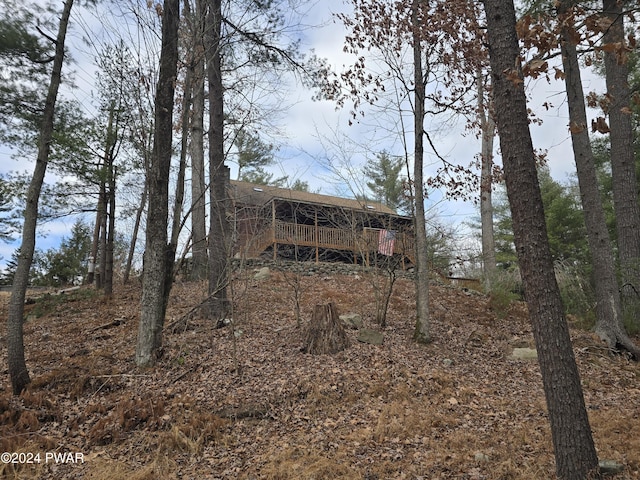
<point x="252" y="194"/>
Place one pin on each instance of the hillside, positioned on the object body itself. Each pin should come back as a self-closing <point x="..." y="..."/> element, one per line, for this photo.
<point x="244" y="401"/>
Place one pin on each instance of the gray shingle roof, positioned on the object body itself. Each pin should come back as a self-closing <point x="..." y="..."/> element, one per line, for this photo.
<point x="252" y="194"/>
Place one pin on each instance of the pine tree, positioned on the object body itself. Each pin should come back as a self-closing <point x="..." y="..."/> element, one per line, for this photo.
<point x="15" y="345"/>
<point x="8" y="225"/>
<point x="66" y="265"/>
<point x="385" y="181"/>
<point x="253" y="154"/>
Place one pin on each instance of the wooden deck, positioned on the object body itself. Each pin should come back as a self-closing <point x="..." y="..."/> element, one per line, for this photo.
<point x="360" y="242"/>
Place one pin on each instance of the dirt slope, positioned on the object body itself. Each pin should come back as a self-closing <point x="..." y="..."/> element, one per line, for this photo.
<point x="245" y="402"/>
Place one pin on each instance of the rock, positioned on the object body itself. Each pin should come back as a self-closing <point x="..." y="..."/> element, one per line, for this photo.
<point x="610" y="467"/>
<point x="68" y="290"/>
<point x="447" y="362"/>
<point x="352" y="321"/>
<point x="478" y="338"/>
<point x="519" y="342"/>
<point x="481" y="457"/>
<point x="262" y="274"/>
<point x="222" y="322"/>
<point x="524" y="354"/>
<point x="372" y="337"/>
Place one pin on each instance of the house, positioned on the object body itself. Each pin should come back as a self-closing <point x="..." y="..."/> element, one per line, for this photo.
<point x="307" y="226"/>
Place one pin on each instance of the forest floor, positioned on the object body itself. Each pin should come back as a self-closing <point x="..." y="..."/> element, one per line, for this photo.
<point x="244" y="402"/>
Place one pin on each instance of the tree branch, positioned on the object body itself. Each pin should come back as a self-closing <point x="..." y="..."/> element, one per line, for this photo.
<point x="254" y="37"/>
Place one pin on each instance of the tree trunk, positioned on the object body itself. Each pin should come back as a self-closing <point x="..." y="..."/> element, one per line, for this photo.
<point x="15" y="340"/>
<point x="325" y="333"/>
<point x="157" y="273"/>
<point x="134" y="235"/>
<point x="102" y="239"/>
<point x="110" y="204"/>
<point x="178" y="205"/>
<point x="217" y="305"/>
<point x="421" y="332"/>
<point x="198" y="190"/>
<point x="111" y="233"/>
<point x="575" y="453"/>
<point x="145" y="147"/>
<point x="625" y="185"/>
<point x="487" y="131"/>
<point x="95" y="243"/>
<point x="608" y="310"/>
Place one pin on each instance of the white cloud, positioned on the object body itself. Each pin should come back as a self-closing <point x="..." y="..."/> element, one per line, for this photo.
<point x="310" y="127"/>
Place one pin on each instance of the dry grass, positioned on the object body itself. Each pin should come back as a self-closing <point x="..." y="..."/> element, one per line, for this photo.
<point x="105" y="469"/>
<point x="247" y="403"/>
<point x="303" y="461"/>
<point x="127" y="415"/>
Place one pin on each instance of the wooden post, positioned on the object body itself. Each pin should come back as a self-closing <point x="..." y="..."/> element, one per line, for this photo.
<point x="273" y="228"/>
<point x="317" y="239"/>
<point x="354" y="238"/>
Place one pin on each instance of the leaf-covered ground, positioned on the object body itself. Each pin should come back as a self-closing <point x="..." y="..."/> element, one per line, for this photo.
<point x="244" y="401"/>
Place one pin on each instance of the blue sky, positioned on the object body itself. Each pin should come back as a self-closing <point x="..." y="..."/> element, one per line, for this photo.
<point x="309" y="121"/>
<point x="310" y="132"/>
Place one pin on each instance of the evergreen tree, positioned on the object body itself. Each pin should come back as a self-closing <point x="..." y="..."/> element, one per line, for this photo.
<point x="25" y="59"/>
<point x="66" y="265"/>
<point x="15" y="345"/>
<point x="505" y="250"/>
<point x="6" y="278"/>
<point x="253" y="158"/>
<point x="601" y="154"/>
<point x="565" y="220"/>
<point x="385" y="181"/>
<point x="8" y="225"/>
<point x="253" y="153"/>
<point x="563" y="217"/>
<point x="300" y="186"/>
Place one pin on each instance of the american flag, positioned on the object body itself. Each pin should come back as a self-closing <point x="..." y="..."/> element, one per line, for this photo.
<point x="386" y="241"/>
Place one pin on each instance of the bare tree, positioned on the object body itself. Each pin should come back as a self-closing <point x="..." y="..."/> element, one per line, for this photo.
<point x="412" y="45"/>
<point x="99" y="227"/>
<point x="487" y="133"/>
<point x="142" y="139"/>
<point x="218" y="303"/>
<point x="198" y="190"/>
<point x="422" y="332"/>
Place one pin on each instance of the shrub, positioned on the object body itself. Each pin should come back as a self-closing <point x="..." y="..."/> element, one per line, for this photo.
<point x="504" y="287"/>
<point x="577" y="292"/>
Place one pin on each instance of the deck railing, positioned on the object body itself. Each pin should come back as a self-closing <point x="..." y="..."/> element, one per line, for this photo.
<point x="359" y="241"/>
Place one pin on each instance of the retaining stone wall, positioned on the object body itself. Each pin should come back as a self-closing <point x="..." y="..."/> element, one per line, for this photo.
<point x="312" y="268"/>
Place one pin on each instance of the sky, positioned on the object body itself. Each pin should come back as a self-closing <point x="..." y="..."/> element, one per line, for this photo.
<point x="314" y="140"/>
<point x="313" y="125"/>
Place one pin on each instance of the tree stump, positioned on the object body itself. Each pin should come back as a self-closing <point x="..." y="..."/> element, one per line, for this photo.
<point x="325" y="333"/>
